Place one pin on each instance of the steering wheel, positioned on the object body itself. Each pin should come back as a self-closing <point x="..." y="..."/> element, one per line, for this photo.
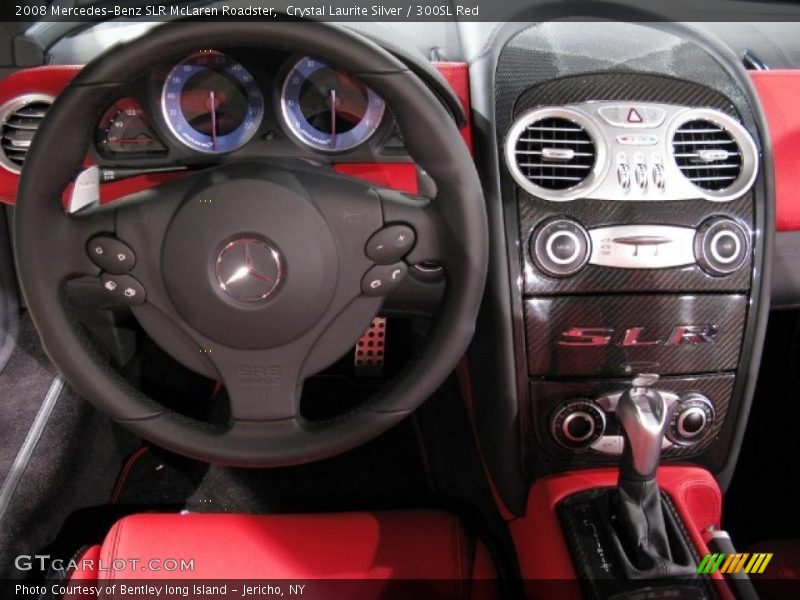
<point x="304" y="227"/>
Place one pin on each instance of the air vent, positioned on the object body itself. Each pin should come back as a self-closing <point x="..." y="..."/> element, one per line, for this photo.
<point x="19" y="119"/>
<point x="551" y="153"/>
<point x="715" y="153"/>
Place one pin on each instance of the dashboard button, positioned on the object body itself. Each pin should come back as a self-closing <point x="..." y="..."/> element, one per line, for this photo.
<point x="721" y="246"/>
<point x="624" y="176"/>
<point x="659" y="181"/>
<point x="725" y="246"/>
<point x="690" y="419"/>
<point x="563" y="247"/>
<point x="640" y="173"/>
<point x="560" y="247"/>
<point x="124" y="289"/>
<point x="111" y="254"/>
<point x="383" y="279"/>
<point x="391" y="244"/>
<point x="577" y="424"/>
<point x="632" y="115"/>
<point x="642" y="246"/>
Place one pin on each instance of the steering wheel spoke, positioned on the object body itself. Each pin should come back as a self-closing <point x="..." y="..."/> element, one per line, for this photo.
<point x="262" y="385"/>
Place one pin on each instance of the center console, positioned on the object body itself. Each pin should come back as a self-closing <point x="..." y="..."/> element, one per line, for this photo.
<point x="634" y="200"/>
<point x="634" y="208"/>
<point x="636" y="237"/>
<point x="630" y="204"/>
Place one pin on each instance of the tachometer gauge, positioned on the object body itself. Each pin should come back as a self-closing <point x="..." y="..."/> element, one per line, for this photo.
<point x="124" y="132"/>
<point x="212" y="103"/>
<point x="327" y="109"/>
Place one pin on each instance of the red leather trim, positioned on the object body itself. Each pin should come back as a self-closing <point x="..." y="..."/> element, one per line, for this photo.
<point x="397" y="176"/>
<point x="542" y="549"/>
<point x="457" y="75"/>
<point x="49" y="80"/>
<point x="52" y="80"/>
<point x="86" y="565"/>
<point x="778" y="92"/>
<point x="386" y="545"/>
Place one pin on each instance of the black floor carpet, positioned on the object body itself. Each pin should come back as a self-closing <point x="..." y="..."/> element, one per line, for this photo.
<point x="763" y="498"/>
<point x="386" y="473"/>
<point x="74" y="464"/>
<point x="23" y="385"/>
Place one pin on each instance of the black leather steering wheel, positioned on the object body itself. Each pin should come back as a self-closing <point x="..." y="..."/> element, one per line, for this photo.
<point x="313" y="222"/>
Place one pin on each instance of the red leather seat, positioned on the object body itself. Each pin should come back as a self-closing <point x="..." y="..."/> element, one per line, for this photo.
<point x="781" y="579"/>
<point x="380" y="546"/>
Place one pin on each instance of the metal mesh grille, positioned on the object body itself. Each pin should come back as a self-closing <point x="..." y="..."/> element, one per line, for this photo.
<point x="555" y="153"/>
<point x="19" y="128"/>
<point x="707" y="154"/>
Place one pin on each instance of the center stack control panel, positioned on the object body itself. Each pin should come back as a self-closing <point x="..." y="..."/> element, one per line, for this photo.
<point x="636" y="247"/>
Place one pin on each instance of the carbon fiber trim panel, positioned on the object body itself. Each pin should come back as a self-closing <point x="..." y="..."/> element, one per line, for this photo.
<point x="601" y="213"/>
<point x="562" y="62"/>
<point x="623" y="86"/>
<point x="546" y="320"/>
<point x="546" y="396"/>
<point x="572" y="51"/>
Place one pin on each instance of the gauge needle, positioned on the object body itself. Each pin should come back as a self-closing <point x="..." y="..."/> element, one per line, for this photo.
<point x="333" y="117"/>
<point x="212" y="98"/>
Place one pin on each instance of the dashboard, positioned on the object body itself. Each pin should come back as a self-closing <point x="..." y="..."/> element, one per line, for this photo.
<point x="236" y="102"/>
<point x="629" y="196"/>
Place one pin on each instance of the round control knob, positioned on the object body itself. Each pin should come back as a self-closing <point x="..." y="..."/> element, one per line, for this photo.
<point x="560" y="247"/>
<point x="690" y="420"/>
<point x="578" y="424"/>
<point x="721" y="246"/>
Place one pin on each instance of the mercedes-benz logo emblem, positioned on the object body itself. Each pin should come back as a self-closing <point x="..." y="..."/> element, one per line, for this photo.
<point x="248" y="269"/>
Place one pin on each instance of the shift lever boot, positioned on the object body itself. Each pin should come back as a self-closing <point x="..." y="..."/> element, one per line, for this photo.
<point x="637" y="516"/>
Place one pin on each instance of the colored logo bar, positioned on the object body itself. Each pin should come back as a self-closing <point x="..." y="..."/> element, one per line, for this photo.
<point x="734" y="563"/>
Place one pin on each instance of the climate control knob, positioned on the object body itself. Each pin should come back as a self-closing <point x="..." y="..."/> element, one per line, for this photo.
<point x="578" y="424"/>
<point x="721" y="246"/>
<point x="560" y="247"/>
<point x="690" y="420"/>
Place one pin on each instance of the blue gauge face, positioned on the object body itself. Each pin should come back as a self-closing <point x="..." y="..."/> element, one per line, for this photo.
<point x="327" y="109"/>
<point x="211" y="103"/>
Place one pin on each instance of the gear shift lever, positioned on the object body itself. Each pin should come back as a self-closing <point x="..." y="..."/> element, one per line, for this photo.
<point x="644" y="532"/>
<point x="642" y="414"/>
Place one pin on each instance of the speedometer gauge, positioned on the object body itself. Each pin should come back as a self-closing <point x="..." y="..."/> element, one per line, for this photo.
<point x="327" y="109"/>
<point x="211" y="103"/>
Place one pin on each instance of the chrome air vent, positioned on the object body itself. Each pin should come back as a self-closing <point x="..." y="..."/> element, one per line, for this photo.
<point x="715" y="153"/>
<point x="707" y="154"/>
<point x="553" y="153"/>
<point x="19" y="119"/>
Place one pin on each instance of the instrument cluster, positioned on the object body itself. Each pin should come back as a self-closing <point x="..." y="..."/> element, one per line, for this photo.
<point x="217" y="103"/>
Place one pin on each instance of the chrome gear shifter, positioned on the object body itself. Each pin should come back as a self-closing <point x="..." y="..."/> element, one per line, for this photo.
<point x="642" y="414"/>
<point x="645" y="534"/>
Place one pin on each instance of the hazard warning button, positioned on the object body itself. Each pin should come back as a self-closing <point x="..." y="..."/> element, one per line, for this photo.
<point x="632" y="115"/>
